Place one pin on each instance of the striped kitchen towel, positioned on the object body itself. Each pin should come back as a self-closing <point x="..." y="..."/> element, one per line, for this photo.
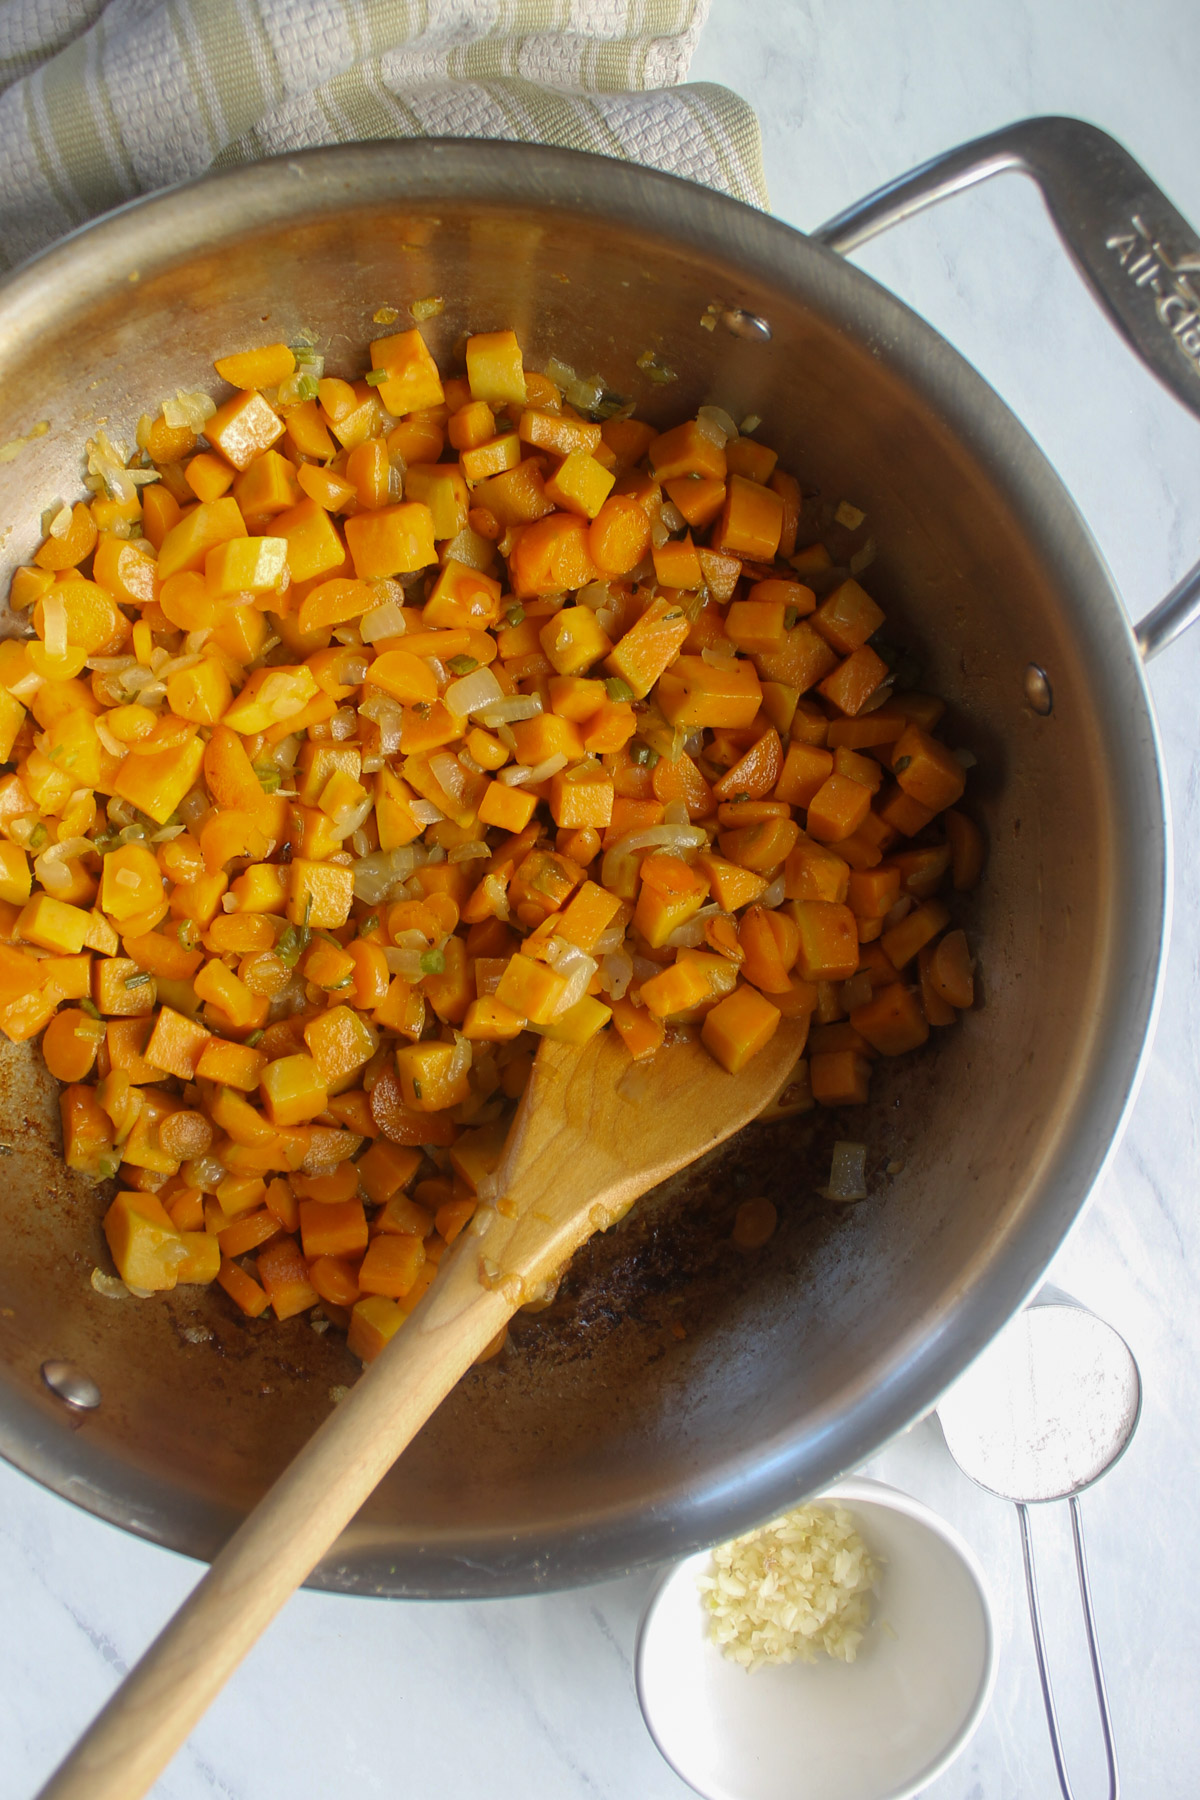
<point x="101" y="100"/>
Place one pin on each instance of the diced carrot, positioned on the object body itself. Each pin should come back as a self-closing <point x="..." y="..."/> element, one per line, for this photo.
<point x="284" y="1275"/>
<point x="243" y="1290"/>
<point x="893" y="1020"/>
<point x="333" y="1228"/>
<point x="641" y="1031"/>
<point x="320" y="851"/>
<point x="852" y="683"/>
<point x="738" y="1027"/>
<point x="840" y="1078"/>
<point x="754" y="774"/>
<point x="391" y="1265"/>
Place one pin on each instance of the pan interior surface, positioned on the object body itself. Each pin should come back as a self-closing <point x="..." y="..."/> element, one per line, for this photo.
<point x="676" y="1390"/>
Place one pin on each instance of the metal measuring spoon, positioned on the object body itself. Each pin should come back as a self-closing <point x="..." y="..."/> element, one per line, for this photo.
<point x="1039" y="1416"/>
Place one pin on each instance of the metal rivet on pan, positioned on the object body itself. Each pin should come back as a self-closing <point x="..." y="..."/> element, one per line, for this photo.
<point x="1038" y="691"/>
<point x="745" y="324"/>
<point x="70" y="1385"/>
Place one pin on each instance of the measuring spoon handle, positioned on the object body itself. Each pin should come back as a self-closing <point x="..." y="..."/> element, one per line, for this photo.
<point x="1035" y="1619"/>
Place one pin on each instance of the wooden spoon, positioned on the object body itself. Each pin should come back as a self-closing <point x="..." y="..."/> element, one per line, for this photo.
<point x="592" y="1133"/>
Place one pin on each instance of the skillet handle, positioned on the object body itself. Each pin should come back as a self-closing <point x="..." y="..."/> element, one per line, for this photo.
<point x="1139" y="256"/>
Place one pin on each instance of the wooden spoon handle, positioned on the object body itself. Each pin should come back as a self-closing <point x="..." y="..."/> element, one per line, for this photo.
<point x="574" y="1161"/>
<point x="186" y="1666"/>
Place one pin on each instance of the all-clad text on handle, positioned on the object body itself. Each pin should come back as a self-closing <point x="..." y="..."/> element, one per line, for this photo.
<point x="1136" y="251"/>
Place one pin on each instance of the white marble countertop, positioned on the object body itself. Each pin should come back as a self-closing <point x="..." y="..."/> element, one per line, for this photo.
<point x="348" y="1695"/>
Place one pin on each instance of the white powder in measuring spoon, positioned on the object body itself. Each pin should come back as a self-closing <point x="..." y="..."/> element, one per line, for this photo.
<point x="1046" y="1408"/>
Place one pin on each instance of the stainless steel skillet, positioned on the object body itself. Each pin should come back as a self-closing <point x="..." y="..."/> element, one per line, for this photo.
<point x="602" y="1440"/>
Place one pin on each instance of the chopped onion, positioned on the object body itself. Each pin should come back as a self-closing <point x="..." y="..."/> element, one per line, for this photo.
<point x="619" y="873"/>
<point x="775" y="895"/>
<point x="584" y="393"/>
<point x="578" y="975"/>
<point x="659" y="533"/>
<point x="382" y="622"/>
<point x="901" y="910"/>
<point x="191" y="411"/>
<point x="495" y="890"/>
<point x="388" y="714"/>
<point x="449" y="774"/>
<point x="718" y="659"/>
<point x="661" y="837"/>
<point x="27" y="687"/>
<point x="563" y="956"/>
<point x="517" y="775"/>
<point x="714" y="420"/>
<point x="690" y="935"/>
<point x="676" y="813"/>
<point x="374" y="874"/>
<point x="966" y="759"/>
<point x="863" y="557"/>
<point x="848" y="1173"/>
<point x="60" y="524"/>
<point x="110" y="1286"/>
<point x="404" y="962"/>
<point x="461" y="1061"/>
<point x="644" y="969"/>
<point x="348" y="819"/>
<point x="750" y="423"/>
<point x="468" y="852"/>
<point x="176" y="665"/>
<point x="413" y="939"/>
<point x="474" y="692"/>
<point x="511" y="710"/>
<point x="677" y="839"/>
<point x="616" y="973"/>
<point x="595" y="595"/>
<point x="51" y="866"/>
<point x="206" y="1173"/>
<point x="426" y="813"/>
<point x="671" y="516"/>
<point x="882" y="694"/>
<point x="613" y="936"/>
<point x="849" y="516"/>
<point x="113" y="745"/>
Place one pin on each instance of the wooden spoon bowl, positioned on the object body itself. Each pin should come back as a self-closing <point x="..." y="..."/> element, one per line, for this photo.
<point x="587" y="1140"/>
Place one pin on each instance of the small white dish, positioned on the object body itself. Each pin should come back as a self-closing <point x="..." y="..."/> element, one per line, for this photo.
<point x="880" y="1728"/>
